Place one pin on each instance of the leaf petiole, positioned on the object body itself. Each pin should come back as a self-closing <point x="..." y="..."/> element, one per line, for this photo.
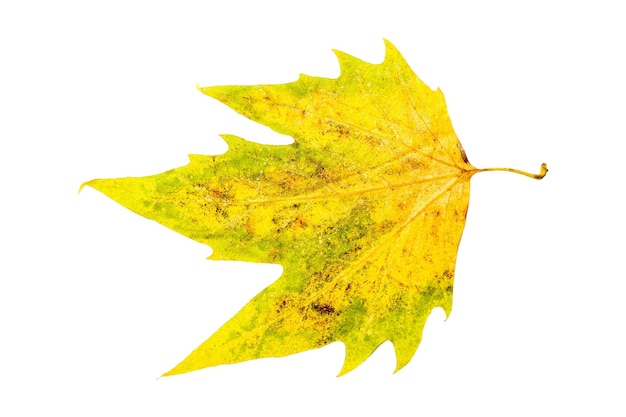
<point x="542" y="172"/>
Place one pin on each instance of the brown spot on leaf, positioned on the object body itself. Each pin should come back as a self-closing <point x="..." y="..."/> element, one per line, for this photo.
<point x="323" y="308"/>
<point x="463" y="155"/>
<point x="323" y="173"/>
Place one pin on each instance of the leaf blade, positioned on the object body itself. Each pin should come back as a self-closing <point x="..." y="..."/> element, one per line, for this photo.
<point x="365" y="211"/>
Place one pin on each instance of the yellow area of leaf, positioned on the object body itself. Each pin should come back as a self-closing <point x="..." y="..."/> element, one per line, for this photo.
<point x="364" y="210"/>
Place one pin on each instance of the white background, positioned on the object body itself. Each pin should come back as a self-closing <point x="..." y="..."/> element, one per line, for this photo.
<point x="97" y="302"/>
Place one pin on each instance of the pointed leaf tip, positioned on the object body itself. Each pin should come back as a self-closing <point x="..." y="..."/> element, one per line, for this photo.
<point x="82" y="186"/>
<point x="345" y="60"/>
<point x="390" y="46"/>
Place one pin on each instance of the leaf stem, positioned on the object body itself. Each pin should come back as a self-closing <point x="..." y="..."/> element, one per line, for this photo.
<point x="542" y="173"/>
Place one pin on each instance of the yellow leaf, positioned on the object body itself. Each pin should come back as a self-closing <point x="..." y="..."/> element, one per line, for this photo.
<point x="364" y="210"/>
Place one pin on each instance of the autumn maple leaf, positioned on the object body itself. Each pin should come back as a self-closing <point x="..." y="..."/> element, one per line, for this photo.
<point x="364" y="210"/>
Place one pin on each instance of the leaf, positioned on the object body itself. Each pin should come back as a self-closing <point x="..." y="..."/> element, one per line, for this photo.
<point x="364" y="210"/>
